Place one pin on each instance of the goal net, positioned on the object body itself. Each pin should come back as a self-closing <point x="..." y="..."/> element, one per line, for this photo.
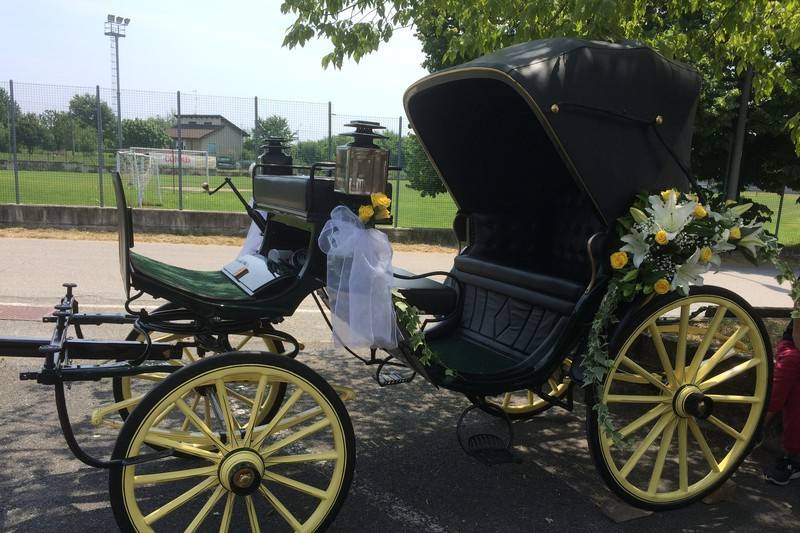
<point x="141" y="172"/>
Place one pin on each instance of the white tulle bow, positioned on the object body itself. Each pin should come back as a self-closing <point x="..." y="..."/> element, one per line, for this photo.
<point x="359" y="282"/>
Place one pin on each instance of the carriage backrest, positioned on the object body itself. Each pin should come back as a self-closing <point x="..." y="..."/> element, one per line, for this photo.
<point x="124" y="232"/>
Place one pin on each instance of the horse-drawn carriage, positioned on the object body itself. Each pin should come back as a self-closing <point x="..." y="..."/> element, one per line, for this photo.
<point x="542" y="147"/>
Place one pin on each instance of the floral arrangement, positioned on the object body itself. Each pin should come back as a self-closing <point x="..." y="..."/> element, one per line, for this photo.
<point x="376" y="210"/>
<point x="667" y="242"/>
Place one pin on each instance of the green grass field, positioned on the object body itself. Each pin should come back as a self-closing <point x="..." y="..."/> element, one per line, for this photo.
<point x="75" y="188"/>
<point x="412" y="210"/>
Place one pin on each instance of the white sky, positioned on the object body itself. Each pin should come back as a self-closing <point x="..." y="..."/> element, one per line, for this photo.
<point x="200" y="47"/>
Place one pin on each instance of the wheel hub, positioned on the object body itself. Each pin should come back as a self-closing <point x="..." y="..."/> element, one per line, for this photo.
<point x="690" y="401"/>
<point x="241" y="471"/>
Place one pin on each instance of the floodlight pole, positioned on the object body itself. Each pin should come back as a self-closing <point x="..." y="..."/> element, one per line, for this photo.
<point x="115" y="27"/>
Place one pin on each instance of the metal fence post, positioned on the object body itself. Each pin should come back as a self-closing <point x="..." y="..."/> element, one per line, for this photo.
<point x="13" y="119"/>
<point x="100" y="144"/>
<point x="180" y="156"/>
<point x="396" y="199"/>
<point x="255" y="119"/>
<point x="780" y="211"/>
<point x="330" y="131"/>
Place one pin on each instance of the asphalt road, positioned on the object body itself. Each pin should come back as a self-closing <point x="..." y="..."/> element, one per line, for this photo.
<point x="411" y="474"/>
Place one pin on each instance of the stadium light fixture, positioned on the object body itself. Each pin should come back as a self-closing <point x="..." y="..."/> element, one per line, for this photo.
<point x="115" y="27"/>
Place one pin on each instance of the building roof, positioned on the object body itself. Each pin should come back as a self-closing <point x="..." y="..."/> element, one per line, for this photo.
<point x="192" y="131"/>
<point x="225" y="121"/>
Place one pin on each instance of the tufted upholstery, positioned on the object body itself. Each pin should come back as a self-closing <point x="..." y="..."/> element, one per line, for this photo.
<point x="522" y="275"/>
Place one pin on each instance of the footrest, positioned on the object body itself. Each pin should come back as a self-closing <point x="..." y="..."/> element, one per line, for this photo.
<point x="488" y="448"/>
<point x="393" y="375"/>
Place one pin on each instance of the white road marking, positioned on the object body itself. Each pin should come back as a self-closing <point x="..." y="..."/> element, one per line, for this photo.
<point x="397" y="509"/>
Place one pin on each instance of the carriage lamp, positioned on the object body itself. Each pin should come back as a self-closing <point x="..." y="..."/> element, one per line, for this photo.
<point x="274" y="156"/>
<point x="362" y="167"/>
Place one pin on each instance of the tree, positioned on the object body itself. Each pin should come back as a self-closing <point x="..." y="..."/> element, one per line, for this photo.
<point x="5" y="120"/>
<point x="61" y="127"/>
<point x="84" y="108"/>
<point x="723" y="38"/>
<point x="148" y="132"/>
<point x="272" y="126"/>
<point x="421" y="174"/>
<point x="30" y="131"/>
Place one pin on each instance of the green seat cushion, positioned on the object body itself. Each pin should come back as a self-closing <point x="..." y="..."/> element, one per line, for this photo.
<point x="464" y="356"/>
<point x="213" y="285"/>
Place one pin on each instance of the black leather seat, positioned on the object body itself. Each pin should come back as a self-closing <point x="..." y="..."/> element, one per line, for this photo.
<point x="427" y="295"/>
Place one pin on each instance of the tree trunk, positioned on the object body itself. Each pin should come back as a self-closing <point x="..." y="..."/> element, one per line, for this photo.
<point x="735" y="166"/>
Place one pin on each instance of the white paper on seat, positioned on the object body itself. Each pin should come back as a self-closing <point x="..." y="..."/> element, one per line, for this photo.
<point x="359" y="282"/>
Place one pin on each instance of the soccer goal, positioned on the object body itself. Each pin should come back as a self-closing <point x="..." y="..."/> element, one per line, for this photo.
<point x="141" y="171"/>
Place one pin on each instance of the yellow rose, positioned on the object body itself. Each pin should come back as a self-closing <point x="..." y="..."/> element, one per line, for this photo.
<point x="662" y="286"/>
<point x="705" y="254"/>
<point x="380" y="200"/>
<point x="665" y="194"/>
<point x="700" y="211"/>
<point x="661" y="237"/>
<point x="365" y="213"/>
<point x="381" y="213"/>
<point x="619" y="260"/>
<point x="736" y="233"/>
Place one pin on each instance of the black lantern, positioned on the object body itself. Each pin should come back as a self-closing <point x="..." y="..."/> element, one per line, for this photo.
<point x="277" y="162"/>
<point x="362" y="167"/>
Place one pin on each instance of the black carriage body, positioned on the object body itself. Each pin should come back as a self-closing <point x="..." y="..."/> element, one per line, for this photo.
<point x="561" y="135"/>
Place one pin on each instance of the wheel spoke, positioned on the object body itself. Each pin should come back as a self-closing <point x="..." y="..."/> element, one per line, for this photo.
<point x="680" y="351"/>
<point x="206" y="410"/>
<point x="728" y="374"/>
<point x="658" y="342"/>
<point x="251" y="515"/>
<point x="721" y="353"/>
<point x="282" y="510"/>
<point x="181" y="500"/>
<point x="195" y="403"/>
<point x="531" y="397"/>
<point x="553" y="384"/>
<point x="230" y="422"/>
<point x="166" y="477"/>
<point x="293" y="420"/>
<point x="192" y="416"/>
<point x="241" y="344"/>
<point x="646" y="418"/>
<point x="635" y="367"/>
<point x="701" y="441"/>
<point x="255" y="409"/>
<point x="296" y="485"/>
<point x="225" y="524"/>
<point x="203" y="513"/>
<point x="267" y="431"/>
<point x="164" y="442"/>
<point x="658" y="467"/>
<point x="644" y="445"/>
<point x="708" y="338"/>
<point x="636" y="398"/>
<point x="303" y="458"/>
<point x="725" y="427"/>
<point x="297" y="435"/>
<point x="238" y="396"/>
<point x="683" y="456"/>
<point x="733" y="398"/>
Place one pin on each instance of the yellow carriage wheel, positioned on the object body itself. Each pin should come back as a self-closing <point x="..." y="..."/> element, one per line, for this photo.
<point x="524" y="404"/>
<point x="289" y="473"/>
<point x="686" y="392"/>
<point x="136" y="386"/>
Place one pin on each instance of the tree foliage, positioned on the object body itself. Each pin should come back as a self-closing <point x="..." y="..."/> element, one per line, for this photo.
<point x="84" y="108"/>
<point x="149" y="133"/>
<point x="722" y="38"/>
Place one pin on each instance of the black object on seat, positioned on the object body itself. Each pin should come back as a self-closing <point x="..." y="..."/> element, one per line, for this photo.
<point x="297" y="195"/>
<point x="427" y="295"/>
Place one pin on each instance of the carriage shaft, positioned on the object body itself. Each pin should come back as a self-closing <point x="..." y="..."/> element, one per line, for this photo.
<point x="89" y="349"/>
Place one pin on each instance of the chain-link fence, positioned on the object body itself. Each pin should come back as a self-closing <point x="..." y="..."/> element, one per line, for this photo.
<point x="60" y="145"/>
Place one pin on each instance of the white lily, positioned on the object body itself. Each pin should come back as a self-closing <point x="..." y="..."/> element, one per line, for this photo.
<point x="636" y="246"/>
<point x="668" y="215"/>
<point x="638" y="216"/>
<point x="689" y="273"/>
<point x="752" y="240"/>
